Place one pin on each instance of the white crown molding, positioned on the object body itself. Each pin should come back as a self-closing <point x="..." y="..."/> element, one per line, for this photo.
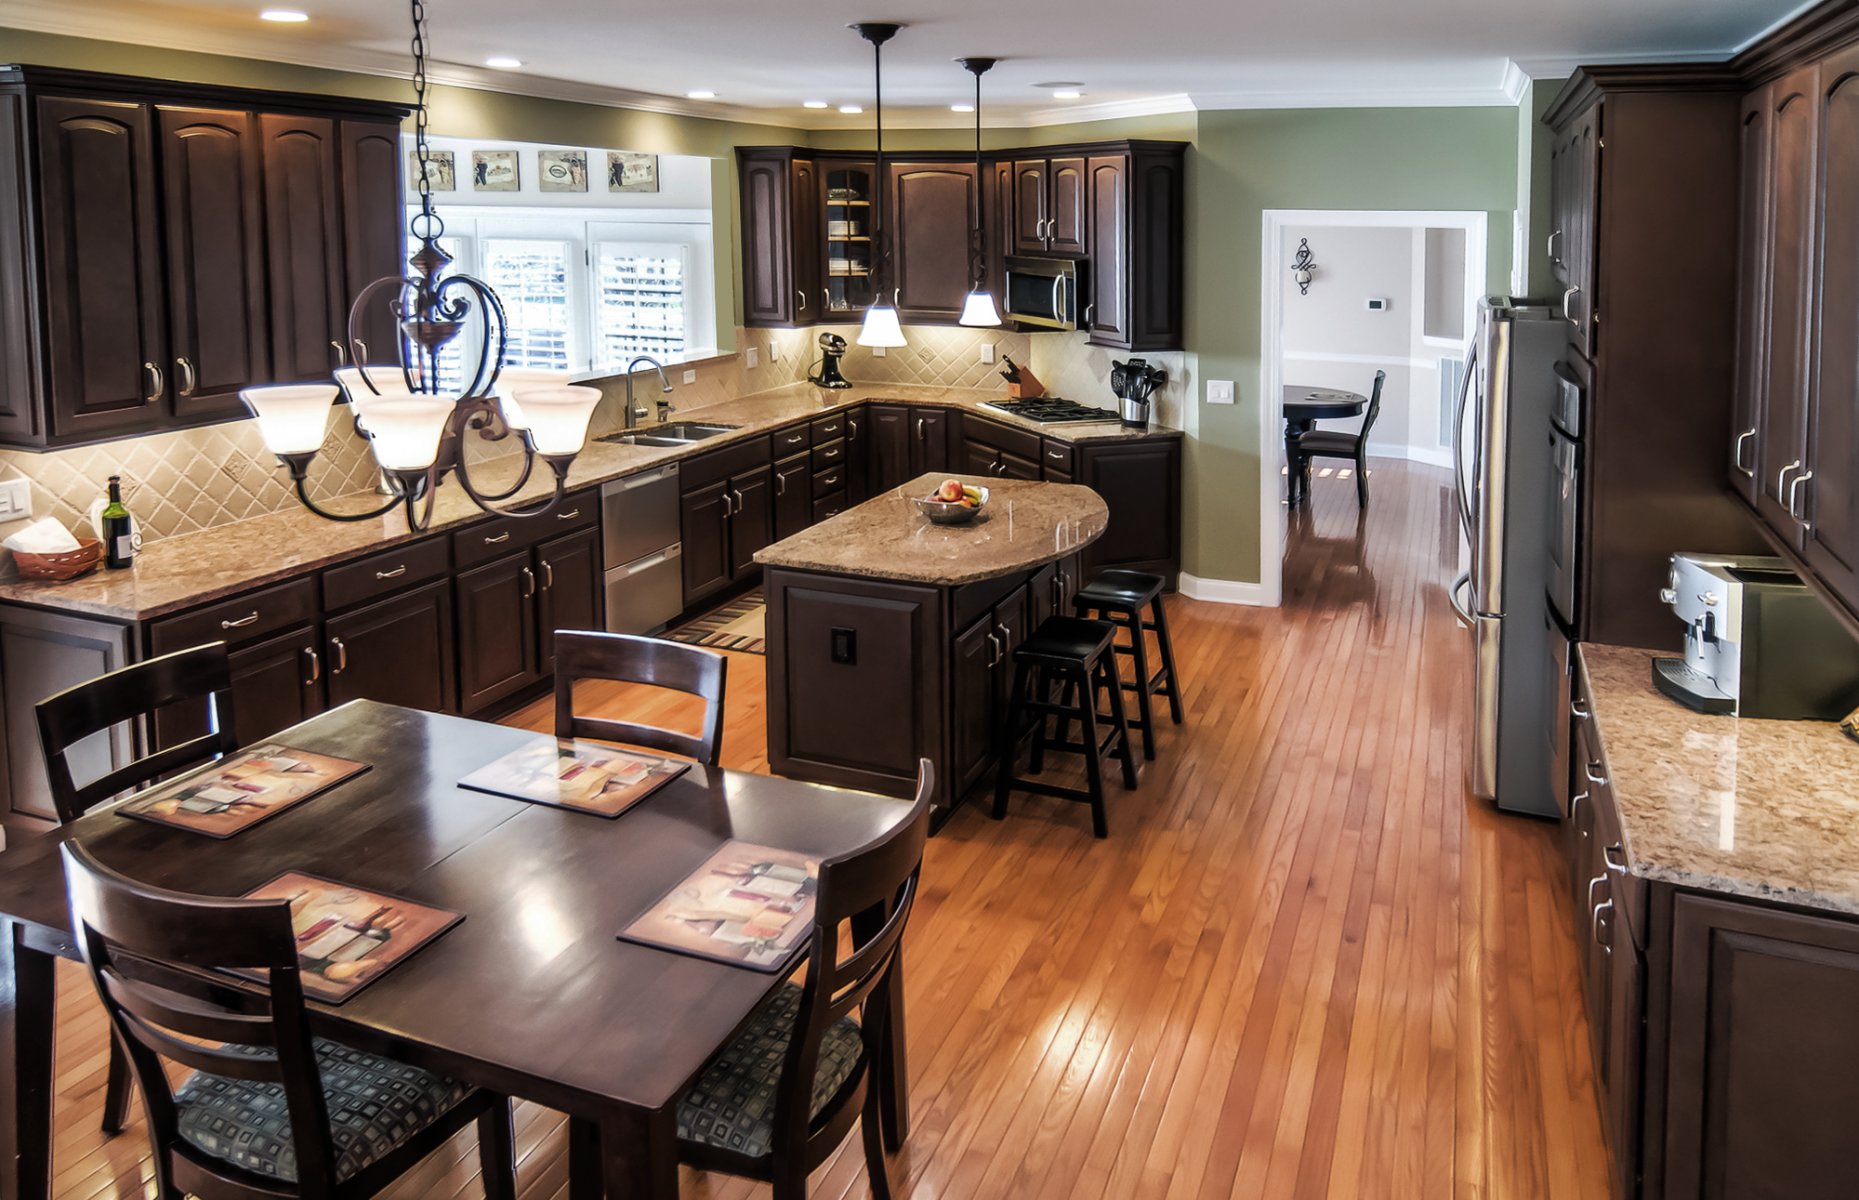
<point x="1109" y="110"/>
<point x="1562" y="68"/>
<point x="1473" y="96"/>
<point x="1516" y="83"/>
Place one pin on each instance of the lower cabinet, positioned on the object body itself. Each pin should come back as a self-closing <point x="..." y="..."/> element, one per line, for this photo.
<point x="980" y="673"/>
<point x="573" y="593"/>
<point x="906" y="442"/>
<point x="723" y="524"/>
<point x="276" y="684"/>
<point x="793" y="496"/>
<point x="397" y="651"/>
<point x="509" y="610"/>
<point x="1141" y="484"/>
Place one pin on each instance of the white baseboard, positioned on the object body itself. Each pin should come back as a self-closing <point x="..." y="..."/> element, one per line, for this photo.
<point x="1433" y="456"/>
<point x="1225" y="591"/>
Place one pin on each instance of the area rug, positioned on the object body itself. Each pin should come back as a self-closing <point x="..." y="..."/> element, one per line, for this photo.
<point x="737" y="625"/>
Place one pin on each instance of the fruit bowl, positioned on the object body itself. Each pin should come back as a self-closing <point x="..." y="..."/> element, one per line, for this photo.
<point x="950" y="512"/>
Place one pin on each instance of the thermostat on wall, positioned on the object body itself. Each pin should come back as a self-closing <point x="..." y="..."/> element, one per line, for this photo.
<point x="1377" y="304"/>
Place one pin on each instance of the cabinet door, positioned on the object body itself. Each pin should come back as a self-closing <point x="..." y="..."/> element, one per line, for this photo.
<point x="374" y="218"/>
<point x="1030" y="207"/>
<point x="1559" y="186"/>
<point x="751" y="522"/>
<point x="932" y="214"/>
<point x="1584" y="154"/>
<point x="809" y="258"/>
<point x="218" y="336"/>
<point x="572" y="590"/>
<point x="767" y="226"/>
<point x="1752" y="296"/>
<point x="1794" y="135"/>
<point x="858" y="458"/>
<point x="793" y="496"/>
<point x="1042" y="595"/>
<point x="1625" y="1017"/>
<point x="929" y="447"/>
<point x="497" y="644"/>
<point x="703" y="524"/>
<point x="973" y="719"/>
<point x="1066" y="232"/>
<point x="304" y="245"/>
<point x="104" y="319"/>
<point x="275" y="684"/>
<point x="979" y="458"/>
<point x="399" y="651"/>
<point x="1107" y="194"/>
<point x="1830" y="524"/>
<point x="1012" y="466"/>
<point x="1155" y="194"/>
<point x="1141" y="485"/>
<point x="998" y="228"/>
<point x="892" y="446"/>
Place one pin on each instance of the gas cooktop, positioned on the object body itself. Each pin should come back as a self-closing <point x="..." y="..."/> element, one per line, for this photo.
<point x="1051" y="410"/>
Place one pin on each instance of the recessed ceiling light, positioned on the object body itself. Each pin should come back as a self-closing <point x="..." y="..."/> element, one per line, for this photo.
<point x="961" y="108"/>
<point x="288" y="15"/>
<point x="1059" y="83"/>
<point x="813" y="104"/>
<point x="1066" y="94"/>
<point x="851" y="108"/>
<point x="700" y="94"/>
<point x="503" y="63"/>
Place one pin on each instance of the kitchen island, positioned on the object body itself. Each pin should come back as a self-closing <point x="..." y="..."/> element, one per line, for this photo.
<point x="890" y="639"/>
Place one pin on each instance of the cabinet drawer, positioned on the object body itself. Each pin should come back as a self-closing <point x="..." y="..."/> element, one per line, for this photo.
<point x="832" y="479"/>
<point x="830" y="505"/>
<point x="827" y="428"/>
<point x="379" y="574"/>
<point x="1022" y="442"/>
<point x="787" y="441"/>
<point x="240" y="620"/>
<point x="1056" y="456"/>
<point x="735" y="459"/>
<point x="483" y="542"/>
<point x="831" y="454"/>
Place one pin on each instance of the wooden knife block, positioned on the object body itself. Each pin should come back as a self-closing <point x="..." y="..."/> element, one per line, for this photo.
<point x="1029" y="387"/>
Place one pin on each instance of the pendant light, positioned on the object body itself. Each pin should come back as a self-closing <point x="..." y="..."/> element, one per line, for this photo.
<point x="978" y="307"/>
<point x="881" y="327"/>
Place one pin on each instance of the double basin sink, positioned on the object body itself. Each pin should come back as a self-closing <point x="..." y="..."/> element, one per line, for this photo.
<point x="670" y="434"/>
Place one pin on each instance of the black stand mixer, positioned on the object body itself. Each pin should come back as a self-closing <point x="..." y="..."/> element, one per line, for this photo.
<point x="1134" y="382"/>
<point x="832" y="349"/>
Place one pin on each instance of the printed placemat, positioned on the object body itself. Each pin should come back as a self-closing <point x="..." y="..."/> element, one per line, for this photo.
<point x="584" y="776"/>
<point x="234" y="793"/>
<point x="748" y="905"/>
<point x="347" y="937"/>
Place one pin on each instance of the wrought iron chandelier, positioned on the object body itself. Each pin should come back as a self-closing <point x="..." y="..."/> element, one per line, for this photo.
<point x="415" y="429"/>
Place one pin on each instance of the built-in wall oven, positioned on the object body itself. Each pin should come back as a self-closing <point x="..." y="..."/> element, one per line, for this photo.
<point x="1043" y="292"/>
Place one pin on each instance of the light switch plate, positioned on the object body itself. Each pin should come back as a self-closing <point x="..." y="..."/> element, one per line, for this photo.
<point x="755" y="358"/>
<point x="1219" y="391"/>
<point x="15" y="500"/>
<point x="987" y="352"/>
<point x="690" y="377"/>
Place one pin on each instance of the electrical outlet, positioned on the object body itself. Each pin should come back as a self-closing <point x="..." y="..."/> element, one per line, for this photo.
<point x="1219" y="391"/>
<point x="877" y="351"/>
<point x="774" y="352"/>
<point x="15" y="500"/>
<point x="754" y="358"/>
<point x="690" y="377"/>
<point x="987" y="352"/>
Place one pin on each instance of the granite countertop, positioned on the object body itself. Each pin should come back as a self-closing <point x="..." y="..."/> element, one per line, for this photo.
<point x="179" y="572"/>
<point x="1754" y="808"/>
<point x="1024" y="525"/>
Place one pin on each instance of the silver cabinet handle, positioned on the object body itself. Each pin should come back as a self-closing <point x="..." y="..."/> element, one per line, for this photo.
<point x="1607" y="859"/>
<point x="781" y="483"/>
<point x="396" y="573"/>
<point x="1596" y="882"/>
<point x="1736" y="451"/>
<point x="1088" y="310"/>
<point x="794" y="439"/>
<point x="502" y="537"/>
<point x="1576" y="709"/>
<point x="1567" y="310"/>
<point x="240" y="623"/>
<point x="316" y="665"/>
<point x="187" y="373"/>
<point x="1058" y="297"/>
<point x="801" y="295"/>
<point x="570" y="515"/>
<point x="342" y="656"/>
<point x="996" y="660"/>
<point x="1781" y="477"/>
<point x="919" y="429"/>
<point x="829" y="454"/>
<point x="1575" y="806"/>
<point x="154" y="374"/>
<point x="342" y="356"/>
<point x="1606" y="906"/>
<point x="1794" y="490"/>
<point x="1054" y="454"/>
<point x="529" y="583"/>
<point x="1591" y="769"/>
<point x="851" y="426"/>
<point x="1006" y="637"/>
<point x="548" y="575"/>
<point x="363" y="347"/>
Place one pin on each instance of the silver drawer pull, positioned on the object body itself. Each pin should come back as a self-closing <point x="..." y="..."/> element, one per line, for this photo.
<point x="396" y="573"/>
<point x="502" y="537"/>
<point x="240" y="623"/>
<point x="342" y="656"/>
<point x="1054" y="454"/>
<point x="316" y="665"/>
<point x="1576" y="708"/>
<point x="1594" y="776"/>
<point x="829" y="454"/>
<point x="570" y="515"/>
<point x="1606" y="906"/>
<point x="1607" y="858"/>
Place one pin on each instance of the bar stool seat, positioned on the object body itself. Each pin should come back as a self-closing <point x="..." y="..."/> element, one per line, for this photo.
<point x="1118" y="597"/>
<point x="1080" y="653"/>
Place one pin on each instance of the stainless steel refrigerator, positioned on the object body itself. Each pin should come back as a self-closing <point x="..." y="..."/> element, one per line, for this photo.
<point x="1503" y="458"/>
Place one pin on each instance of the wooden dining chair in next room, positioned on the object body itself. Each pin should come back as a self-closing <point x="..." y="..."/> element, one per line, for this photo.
<point x="133" y="692"/>
<point x="270" y="1111"/>
<point x="624" y="658"/>
<point x="1324" y="443"/>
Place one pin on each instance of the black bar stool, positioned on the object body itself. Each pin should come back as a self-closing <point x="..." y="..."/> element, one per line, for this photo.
<point x="1080" y="652"/>
<point x="1118" y="597"/>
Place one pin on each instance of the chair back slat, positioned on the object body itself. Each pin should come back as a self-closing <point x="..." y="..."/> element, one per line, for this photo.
<point x="211" y="1059"/>
<point x="625" y="658"/>
<point x="137" y="691"/>
<point x="1374" y="407"/>
<point x="184" y="1014"/>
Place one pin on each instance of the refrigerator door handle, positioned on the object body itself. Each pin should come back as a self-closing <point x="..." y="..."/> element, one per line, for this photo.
<point x="1458" y="443"/>
<point x="1452" y="595"/>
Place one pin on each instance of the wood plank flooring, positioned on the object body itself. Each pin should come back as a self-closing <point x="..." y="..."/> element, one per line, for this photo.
<point x="1304" y="964"/>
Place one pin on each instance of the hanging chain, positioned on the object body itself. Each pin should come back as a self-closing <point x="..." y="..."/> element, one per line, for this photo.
<point x="429" y="226"/>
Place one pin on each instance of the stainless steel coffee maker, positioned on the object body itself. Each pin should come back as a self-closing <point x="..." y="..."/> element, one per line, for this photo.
<point x="1758" y="642"/>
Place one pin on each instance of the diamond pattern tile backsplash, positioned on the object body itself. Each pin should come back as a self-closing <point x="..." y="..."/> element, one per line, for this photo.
<point x="199" y="479"/>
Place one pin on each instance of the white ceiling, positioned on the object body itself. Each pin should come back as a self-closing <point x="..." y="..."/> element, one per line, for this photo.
<point x="764" y="57"/>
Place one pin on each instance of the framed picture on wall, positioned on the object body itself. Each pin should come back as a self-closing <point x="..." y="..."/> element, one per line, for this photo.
<point x="629" y="172"/>
<point x="562" y="170"/>
<point x="441" y="175"/>
<point x="493" y="171"/>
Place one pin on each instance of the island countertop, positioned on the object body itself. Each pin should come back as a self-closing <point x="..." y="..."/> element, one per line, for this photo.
<point x="1730" y="804"/>
<point x="1023" y="526"/>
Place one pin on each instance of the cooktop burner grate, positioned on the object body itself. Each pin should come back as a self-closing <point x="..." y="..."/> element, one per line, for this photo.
<point x="1051" y="410"/>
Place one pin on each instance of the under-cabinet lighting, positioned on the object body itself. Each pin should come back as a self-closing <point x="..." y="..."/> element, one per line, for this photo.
<point x="1066" y="94"/>
<point x="700" y="94"/>
<point x="961" y="108"/>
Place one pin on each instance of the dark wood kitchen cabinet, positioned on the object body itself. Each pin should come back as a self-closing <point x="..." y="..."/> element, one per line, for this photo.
<point x="1755" y="130"/>
<point x="1136" y="203"/>
<point x="373" y="229"/>
<point x="1003" y="451"/>
<point x="980" y="675"/>
<point x="781" y="238"/>
<point x="156" y="245"/>
<point x="726" y="513"/>
<point x="906" y="442"/>
<point x="1140" y="483"/>
<point x="930" y="209"/>
<point x="793" y="495"/>
<point x="397" y="651"/>
<point x="497" y="643"/>
<point x="1049" y="206"/>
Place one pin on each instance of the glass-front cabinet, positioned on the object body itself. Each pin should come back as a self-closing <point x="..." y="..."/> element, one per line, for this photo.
<point x="850" y="256"/>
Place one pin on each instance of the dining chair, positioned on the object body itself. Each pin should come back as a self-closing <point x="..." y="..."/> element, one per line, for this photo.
<point x="126" y="695"/>
<point x="626" y="658"/>
<point x="270" y="1111"/>
<point x="1324" y="443"/>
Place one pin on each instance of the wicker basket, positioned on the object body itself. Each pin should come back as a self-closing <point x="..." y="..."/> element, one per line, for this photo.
<point x="66" y="565"/>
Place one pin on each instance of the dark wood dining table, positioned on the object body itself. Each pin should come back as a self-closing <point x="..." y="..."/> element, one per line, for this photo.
<point x="1303" y="407"/>
<point x="531" y="994"/>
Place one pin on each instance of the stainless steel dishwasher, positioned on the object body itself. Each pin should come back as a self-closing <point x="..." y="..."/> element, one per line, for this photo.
<point x="641" y="550"/>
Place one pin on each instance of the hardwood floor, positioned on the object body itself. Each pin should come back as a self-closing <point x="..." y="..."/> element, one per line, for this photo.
<point x="1304" y="964"/>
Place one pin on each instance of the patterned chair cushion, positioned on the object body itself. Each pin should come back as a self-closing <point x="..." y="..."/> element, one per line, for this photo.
<point x="375" y="1105"/>
<point x="732" y="1105"/>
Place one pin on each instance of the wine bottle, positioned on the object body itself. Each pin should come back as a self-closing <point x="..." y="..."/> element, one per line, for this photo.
<point x="118" y="545"/>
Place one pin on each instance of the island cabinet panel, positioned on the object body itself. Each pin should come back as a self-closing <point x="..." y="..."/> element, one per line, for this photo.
<point x="1141" y="483"/>
<point x="397" y="651"/>
<point x="303" y="220"/>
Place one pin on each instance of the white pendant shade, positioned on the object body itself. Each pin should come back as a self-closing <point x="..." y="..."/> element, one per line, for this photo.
<point x="978" y="309"/>
<point x="388" y="382"/>
<point x="881" y="327"/>
<point x="512" y="379"/>
<point x="292" y="417"/>
<point x="557" y="417"/>
<point x="404" y="431"/>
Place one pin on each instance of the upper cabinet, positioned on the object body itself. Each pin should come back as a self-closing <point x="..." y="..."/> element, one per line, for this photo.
<point x="163" y="245"/>
<point x="1115" y="206"/>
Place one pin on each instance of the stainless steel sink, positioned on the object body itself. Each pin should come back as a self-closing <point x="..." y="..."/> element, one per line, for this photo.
<point x="646" y="439"/>
<point x="671" y="434"/>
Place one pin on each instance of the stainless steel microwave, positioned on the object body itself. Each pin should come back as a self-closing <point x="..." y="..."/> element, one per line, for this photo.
<point x="1043" y="292"/>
